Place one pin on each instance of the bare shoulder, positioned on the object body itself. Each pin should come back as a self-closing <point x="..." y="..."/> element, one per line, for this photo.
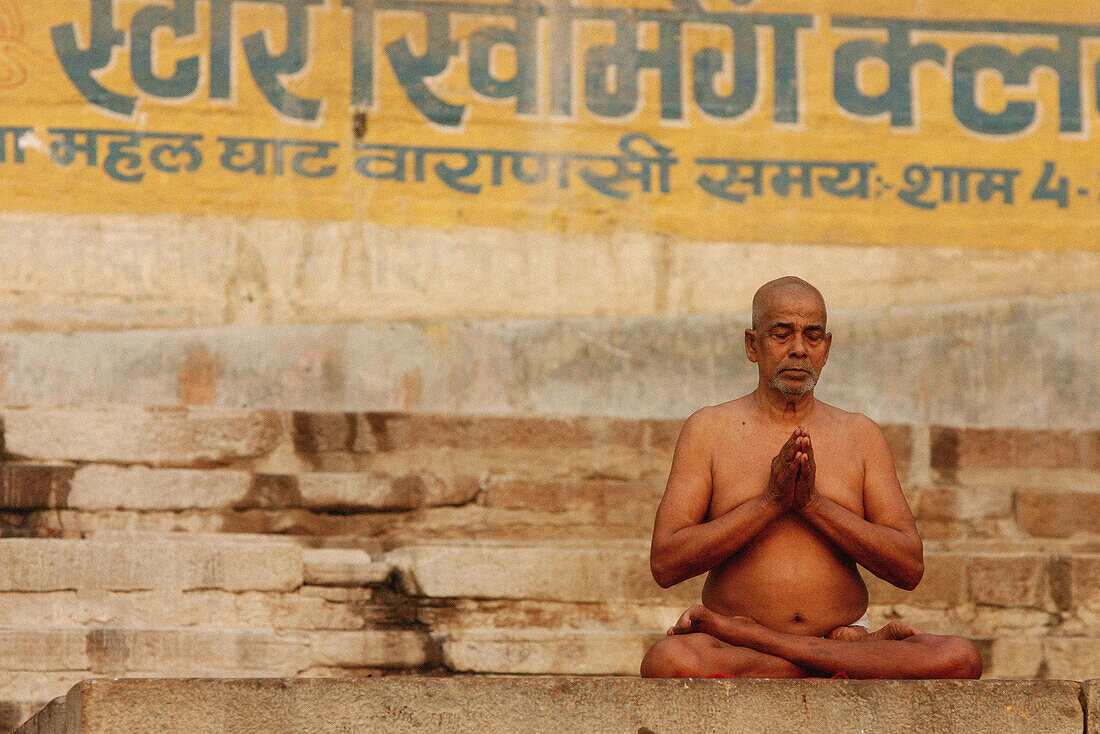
<point x="703" y="426"/>
<point x="856" y="428"/>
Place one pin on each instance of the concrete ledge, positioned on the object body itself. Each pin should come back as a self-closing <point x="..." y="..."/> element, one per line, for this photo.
<point x="486" y="705"/>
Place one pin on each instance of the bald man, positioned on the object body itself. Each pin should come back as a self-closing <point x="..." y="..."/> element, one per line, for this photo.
<point x="777" y="496"/>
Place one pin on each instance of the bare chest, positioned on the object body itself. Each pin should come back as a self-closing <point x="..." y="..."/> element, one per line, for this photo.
<point x="741" y="472"/>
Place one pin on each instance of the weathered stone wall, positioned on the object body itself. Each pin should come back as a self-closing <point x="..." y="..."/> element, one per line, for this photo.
<point x="220" y="542"/>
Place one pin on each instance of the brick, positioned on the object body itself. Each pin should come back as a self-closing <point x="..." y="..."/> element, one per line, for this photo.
<point x="97" y="487"/>
<point x="1084" y="580"/>
<point x="965" y="504"/>
<point x="900" y="439"/>
<point x="232" y="565"/>
<point x="606" y="500"/>
<point x="122" y="434"/>
<point x="1071" y="658"/>
<point x="34" y="486"/>
<point x="360" y="491"/>
<point x="1015" y="657"/>
<point x="1058" y="514"/>
<point x="394" y="649"/>
<point x="943" y="585"/>
<point x="323" y="432"/>
<point x="344" y="567"/>
<point x="1009" y="580"/>
<point x="606" y="572"/>
<point x="996" y="448"/>
<point x="1006" y="622"/>
<point x="547" y="652"/>
<point x="396" y="432"/>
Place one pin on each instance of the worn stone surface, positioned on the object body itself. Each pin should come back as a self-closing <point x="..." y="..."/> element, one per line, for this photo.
<point x="1072" y="657"/>
<point x="344" y="567"/>
<point x="560" y="572"/>
<point x="359" y="491"/>
<point x="152" y="651"/>
<point x="1015" y="580"/>
<point x="600" y="366"/>
<point x="166" y="437"/>
<point x="944" y="584"/>
<point x="1015" y="658"/>
<point x="229" y="564"/>
<point x="302" y="609"/>
<point x="536" y="651"/>
<point x="31" y="485"/>
<point x="1058" y="514"/>
<point x="1092" y="707"/>
<point x="104" y="487"/>
<point x="378" y="648"/>
<point x="550" y="705"/>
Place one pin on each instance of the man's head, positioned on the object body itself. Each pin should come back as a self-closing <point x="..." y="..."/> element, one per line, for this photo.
<point x="788" y="340"/>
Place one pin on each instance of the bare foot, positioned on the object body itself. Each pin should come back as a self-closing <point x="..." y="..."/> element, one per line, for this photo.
<point x="896" y="630"/>
<point x="851" y="633"/>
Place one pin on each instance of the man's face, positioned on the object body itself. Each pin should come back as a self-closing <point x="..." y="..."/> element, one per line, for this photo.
<point x="791" y="345"/>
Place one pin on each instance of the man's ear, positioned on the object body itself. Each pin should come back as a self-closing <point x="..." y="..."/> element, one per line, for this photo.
<point x="828" y="344"/>
<point x="750" y="345"/>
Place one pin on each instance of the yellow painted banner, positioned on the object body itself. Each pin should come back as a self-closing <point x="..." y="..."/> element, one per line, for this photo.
<point x="873" y="122"/>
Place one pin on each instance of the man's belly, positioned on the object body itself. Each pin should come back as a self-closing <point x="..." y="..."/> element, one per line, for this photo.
<point x="791" y="579"/>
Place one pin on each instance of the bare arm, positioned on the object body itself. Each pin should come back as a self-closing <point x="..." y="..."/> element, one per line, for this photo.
<point x="885" y="541"/>
<point x="684" y="543"/>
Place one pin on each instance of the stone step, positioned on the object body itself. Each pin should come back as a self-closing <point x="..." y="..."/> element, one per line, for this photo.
<point x="207" y="651"/>
<point x="487" y="705"/>
<point x="231" y="563"/>
<point x="614" y="571"/>
<point x="97" y="487"/>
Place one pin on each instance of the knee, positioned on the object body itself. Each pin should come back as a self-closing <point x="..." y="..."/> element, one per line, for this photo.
<point x="672" y="657"/>
<point x="961" y="658"/>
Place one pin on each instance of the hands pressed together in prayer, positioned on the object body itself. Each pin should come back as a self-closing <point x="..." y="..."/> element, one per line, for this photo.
<point x="791" y="485"/>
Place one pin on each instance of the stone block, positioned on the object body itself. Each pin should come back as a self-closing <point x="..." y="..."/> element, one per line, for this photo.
<point x="603" y="500"/>
<point x="1015" y="657"/>
<point x="123" y="434"/>
<point x="360" y="491"/>
<point x="99" y="487"/>
<point x="963" y="503"/>
<point x="344" y="567"/>
<point x="315" y="433"/>
<point x="1010" y="580"/>
<point x="543" y="705"/>
<point x="547" y="651"/>
<point x="997" y="448"/>
<point x="378" y="648"/>
<point x="34" y="486"/>
<point x="1084" y="575"/>
<point x="180" y="608"/>
<point x="230" y="564"/>
<point x="604" y="572"/>
<point x="402" y="431"/>
<point x="1071" y="658"/>
<point x="162" y="651"/>
<point x="1058" y="514"/>
<point x="900" y="439"/>
<point x="944" y="584"/>
<point x="1092" y="707"/>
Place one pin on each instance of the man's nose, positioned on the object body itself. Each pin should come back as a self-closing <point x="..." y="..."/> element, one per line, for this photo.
<point x="798" y="346"/>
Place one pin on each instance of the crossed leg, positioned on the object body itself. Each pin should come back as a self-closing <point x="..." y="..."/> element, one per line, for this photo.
<point x="706" y="644"/>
